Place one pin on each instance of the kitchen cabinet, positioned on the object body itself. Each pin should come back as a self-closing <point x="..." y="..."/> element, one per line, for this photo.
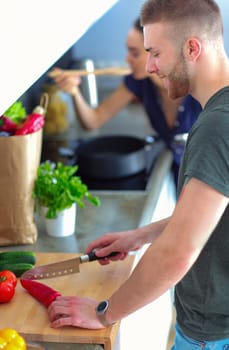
<point x="35" y="34"/>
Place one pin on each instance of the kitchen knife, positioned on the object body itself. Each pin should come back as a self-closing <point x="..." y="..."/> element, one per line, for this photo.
<point x="61" y="268"/>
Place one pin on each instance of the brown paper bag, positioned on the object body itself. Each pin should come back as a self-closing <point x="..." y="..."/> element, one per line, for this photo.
<point x="20" y="158"/>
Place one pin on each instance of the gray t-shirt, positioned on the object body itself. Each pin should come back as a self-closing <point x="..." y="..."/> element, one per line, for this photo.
<point x="202" y="297"/>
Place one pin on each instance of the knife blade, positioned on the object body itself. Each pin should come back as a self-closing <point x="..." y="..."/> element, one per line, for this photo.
<point x="61" y="268"/>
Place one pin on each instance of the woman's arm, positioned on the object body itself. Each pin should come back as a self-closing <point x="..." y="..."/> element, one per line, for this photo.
<point x="92" y="118"/>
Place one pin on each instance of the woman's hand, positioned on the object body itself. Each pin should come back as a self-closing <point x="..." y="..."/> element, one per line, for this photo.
<point x="74" y="311"/>
<point x="65" y="82"/>
<point x="121" y="242"/>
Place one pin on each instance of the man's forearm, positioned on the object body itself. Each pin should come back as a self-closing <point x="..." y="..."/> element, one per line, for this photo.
<point x="152" y="231"/>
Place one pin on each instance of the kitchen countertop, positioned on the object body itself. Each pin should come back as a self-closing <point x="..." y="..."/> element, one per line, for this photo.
<point x="119" y="210"/>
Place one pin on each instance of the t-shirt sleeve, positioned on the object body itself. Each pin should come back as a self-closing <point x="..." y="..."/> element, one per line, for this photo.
<point x="208" y="152"/>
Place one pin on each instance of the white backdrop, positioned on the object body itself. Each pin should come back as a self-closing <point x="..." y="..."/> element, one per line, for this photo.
<point x="34" y="34"/>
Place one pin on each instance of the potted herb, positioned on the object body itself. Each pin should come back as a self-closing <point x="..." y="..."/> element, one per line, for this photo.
<point x="57" y="189"/>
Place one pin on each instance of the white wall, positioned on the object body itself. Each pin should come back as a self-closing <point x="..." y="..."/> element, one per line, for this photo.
<point x="34" y="34"/>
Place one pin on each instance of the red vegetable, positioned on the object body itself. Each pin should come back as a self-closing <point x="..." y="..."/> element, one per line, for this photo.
<point x="6" y="124"/>
<point x="8" y="282"/>
<point x="43" y="293"/>
<point x="33" y="123"/>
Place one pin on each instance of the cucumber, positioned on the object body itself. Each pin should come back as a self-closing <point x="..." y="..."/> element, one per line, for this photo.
<point x="18" y="257"/>
<point x="17" y="268"/>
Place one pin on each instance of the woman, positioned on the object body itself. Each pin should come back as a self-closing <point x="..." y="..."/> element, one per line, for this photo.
<point x="167" y="117"/>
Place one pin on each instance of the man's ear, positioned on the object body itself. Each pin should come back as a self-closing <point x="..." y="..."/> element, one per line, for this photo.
<point x="192" y="49"/>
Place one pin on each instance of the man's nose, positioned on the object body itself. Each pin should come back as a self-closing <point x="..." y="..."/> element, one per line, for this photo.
<point x="151" y="66"/>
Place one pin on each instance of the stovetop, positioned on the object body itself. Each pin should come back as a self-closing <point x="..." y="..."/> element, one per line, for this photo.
<point x="56" y="150"/>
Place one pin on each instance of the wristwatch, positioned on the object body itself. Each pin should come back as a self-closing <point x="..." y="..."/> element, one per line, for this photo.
<point x="101" y="312"/>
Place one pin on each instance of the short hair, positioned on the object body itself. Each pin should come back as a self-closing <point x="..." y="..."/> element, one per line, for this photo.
<point x="201" y="18"/>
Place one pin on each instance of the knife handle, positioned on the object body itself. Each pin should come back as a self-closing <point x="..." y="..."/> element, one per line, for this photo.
<point x="92" y="257"/>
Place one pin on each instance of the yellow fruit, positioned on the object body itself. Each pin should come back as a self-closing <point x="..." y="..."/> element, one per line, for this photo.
<point x="8" y="334"/>
<point x="10" y="339"/>
<point x="3" y="343"/>
<point x="19" y="343"/>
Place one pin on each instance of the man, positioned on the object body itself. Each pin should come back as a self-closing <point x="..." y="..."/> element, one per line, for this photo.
<point x="190" y="249"/>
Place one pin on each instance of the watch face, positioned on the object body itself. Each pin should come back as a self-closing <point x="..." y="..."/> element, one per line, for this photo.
<point x="101" y="308"/>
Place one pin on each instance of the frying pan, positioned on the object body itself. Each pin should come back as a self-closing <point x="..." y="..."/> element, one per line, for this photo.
<point x="112" y="157"/>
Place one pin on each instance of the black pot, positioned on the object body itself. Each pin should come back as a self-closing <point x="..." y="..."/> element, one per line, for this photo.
<point x="112" y="157"/>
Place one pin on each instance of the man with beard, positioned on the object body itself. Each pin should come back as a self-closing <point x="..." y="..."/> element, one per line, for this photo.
<point x="167" y="117"/>
<point x="189" y="250"/>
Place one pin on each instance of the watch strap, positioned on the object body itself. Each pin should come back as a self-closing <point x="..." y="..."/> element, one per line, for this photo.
<point x="101" y="310"/>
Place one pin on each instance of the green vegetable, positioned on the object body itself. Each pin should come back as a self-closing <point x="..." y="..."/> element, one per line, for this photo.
<point x="57" y="187"/>
<point x="18" y="257"/>
<point x="16" y="112"/>
<point x="17" y="268"/>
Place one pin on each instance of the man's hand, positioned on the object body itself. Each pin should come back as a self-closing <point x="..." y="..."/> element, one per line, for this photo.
<point x="122" y="242"/>
<point x="74" y="311"/>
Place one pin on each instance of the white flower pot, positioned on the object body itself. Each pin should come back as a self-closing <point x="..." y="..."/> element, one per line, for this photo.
<point x="63" y="225"/>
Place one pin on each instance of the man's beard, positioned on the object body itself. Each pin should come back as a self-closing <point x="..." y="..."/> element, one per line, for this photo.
<point x="178" y="79"/>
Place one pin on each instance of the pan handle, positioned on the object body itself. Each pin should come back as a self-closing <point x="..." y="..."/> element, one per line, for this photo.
<point x="92" y="257"/>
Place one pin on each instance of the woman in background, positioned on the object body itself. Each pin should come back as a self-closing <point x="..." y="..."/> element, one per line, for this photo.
<point x="167" y="117"/>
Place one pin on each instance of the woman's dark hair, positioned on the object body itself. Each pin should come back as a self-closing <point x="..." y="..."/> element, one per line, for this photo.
<point x="137" y="25"/>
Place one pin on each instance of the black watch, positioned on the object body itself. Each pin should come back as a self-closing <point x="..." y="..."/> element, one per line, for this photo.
<point x="101" y="312"/>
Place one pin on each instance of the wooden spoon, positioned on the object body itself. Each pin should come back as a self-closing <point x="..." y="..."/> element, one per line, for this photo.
<point x="119" y="71"/>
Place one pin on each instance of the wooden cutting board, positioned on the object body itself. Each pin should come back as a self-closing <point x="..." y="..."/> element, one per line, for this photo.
<point x="29" y="317"/>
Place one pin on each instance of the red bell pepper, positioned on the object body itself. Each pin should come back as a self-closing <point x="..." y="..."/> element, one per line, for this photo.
<point x="33" y="123"/>
<point x="6" y="124"/>
<point x="8" y="282"/>
<point x="43" y="293"/>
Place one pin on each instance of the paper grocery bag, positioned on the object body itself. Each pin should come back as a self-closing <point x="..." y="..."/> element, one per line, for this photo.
<point x="19" y="161"/>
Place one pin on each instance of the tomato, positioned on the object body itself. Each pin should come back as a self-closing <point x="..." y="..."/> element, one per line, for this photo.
<point x="10" y="276"/>
<point x="8" y="282"/>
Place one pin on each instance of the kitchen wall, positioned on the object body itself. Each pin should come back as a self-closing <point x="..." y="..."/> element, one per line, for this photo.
<point x="223" y="4"/>
<point x="104" y="42"/>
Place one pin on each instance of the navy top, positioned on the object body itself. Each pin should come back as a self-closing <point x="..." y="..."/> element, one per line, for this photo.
<point x="188" y="112"/>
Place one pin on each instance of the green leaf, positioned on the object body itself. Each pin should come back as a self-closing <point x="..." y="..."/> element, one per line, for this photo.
<point x="16" y="112"/>
<point x="57" y="187"/>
